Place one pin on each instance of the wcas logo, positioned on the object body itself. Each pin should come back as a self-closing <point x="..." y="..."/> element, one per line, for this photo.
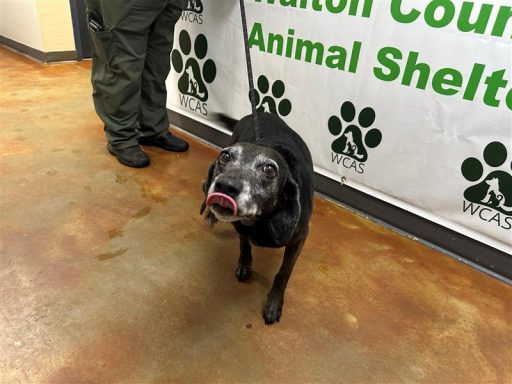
<point x="194" y="12"/>
<point x="195" y="72"/>
<point x="490" y="197"/>
<point x="354" y="138"/>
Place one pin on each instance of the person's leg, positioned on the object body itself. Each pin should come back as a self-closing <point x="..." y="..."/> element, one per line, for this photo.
<point x="117" y="65"/>
<point x="118" y="61"/>
<point x="154" y="122"/>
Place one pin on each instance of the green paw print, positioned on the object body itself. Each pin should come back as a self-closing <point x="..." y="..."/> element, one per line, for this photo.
<point x="193" y="74"/>
<point x="495" y="190"/>
<point x="271" y="103"/>
<point x="354" y="139"/>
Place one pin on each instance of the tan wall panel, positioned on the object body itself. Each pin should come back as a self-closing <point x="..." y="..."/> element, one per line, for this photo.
<point x="56" y="25"/>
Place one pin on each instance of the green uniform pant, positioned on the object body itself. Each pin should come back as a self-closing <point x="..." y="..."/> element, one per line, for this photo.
<point x="130" y="63"/>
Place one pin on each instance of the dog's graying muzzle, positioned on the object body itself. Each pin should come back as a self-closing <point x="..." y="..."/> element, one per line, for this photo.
<point x="224" y="194"/>
<point x="228" y="185"/>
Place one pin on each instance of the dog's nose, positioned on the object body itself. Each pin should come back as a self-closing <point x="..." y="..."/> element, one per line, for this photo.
<point x="228" y="185"/>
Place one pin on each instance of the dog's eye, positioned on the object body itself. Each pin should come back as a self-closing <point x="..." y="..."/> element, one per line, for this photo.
<point x="224" y="158"/>
<point x="269" y="170"/>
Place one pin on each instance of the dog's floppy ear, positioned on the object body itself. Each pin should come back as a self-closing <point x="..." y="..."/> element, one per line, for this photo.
<point x="206" y="185"/>
<point x="285" y="217"/>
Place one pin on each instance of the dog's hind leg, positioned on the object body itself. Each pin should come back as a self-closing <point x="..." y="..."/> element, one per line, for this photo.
<point x="243" y="270"/>
<point x="275" y="298"/>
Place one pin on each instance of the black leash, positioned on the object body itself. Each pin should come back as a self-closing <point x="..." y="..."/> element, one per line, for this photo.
<point x="252" y="91"/>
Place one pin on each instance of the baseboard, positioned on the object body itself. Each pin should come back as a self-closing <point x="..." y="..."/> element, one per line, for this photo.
<point x="45" y="57"/>
<point x="465" y="249"/>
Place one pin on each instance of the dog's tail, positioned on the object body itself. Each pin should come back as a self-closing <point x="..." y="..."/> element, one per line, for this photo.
<point x="226" y="121"/>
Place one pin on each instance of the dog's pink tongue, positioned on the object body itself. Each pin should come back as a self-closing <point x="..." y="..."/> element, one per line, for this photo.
<point x="223" y="200"/>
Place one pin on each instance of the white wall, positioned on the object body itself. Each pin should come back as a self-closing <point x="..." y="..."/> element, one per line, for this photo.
<point x="19" y="21"/>
<point x="44" y="25"/>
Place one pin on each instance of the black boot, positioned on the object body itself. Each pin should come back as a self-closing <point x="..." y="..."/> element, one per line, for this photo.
<point x="167" y="141"/>
<point x="132" y="156"/>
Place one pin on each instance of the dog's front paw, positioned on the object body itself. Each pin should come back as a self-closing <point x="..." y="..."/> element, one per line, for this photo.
<point x="243" y="272"/>
<point x="272" y="310"/>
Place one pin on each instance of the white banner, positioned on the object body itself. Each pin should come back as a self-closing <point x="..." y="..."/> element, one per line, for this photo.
<point x="408" y="100"/>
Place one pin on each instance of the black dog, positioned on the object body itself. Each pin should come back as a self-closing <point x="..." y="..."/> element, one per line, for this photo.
<point x="264" y="187"/>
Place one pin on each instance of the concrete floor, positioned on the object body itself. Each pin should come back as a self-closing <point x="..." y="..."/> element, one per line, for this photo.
<point x="109" y="275"/>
